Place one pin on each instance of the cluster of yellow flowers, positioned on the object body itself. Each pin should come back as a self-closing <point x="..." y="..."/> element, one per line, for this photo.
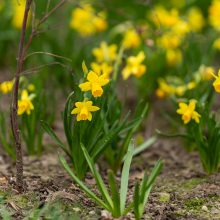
<point x="98" y="77"/>
<point x="6" y="87"/>
<point x="94" y="83"/>
<point x="167" y="89"/>
<point x="25" y="104"/>
<point x="86" y="21"/>
<point x="134" y="66"/>
<point x="173" y="85"/>
<point x="131" y="39"/>
<point x="188" y="111"/>
<point x="175" y="28"/>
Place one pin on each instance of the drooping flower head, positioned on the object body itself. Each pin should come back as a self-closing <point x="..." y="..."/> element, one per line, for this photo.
<point x="134" y="66"/>
<point x="188" y="112"/>
<point x="83" y="110"/>
<point x="95" y="83"/>
<point x="25" y="104"/>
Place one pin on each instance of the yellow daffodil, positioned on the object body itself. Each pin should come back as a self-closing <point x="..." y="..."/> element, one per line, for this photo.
<point x="162" y="17"/>
<point x="105" y="53"/>
<point x="173" y="57"/>
<point x="216" y="83"/>
<point x="25" y="104"/>
<point x="216" y="44"/>
<point x="95" y="83"/>
<point x="102" y="68"/>
<point x="83" y="110"/>
<point x="164" y="89"/>
<point x="131" y="39"/>
<point x="188" y="112"/>
<point x="86" y="21"/>
<point x="31" y="87"/>
<point x="214" y="14"/>
<point x="18" y="13"/>
<point x="6" y="86"/>
<point x="206" y="72"/>
<point x="2" y="4"/>
<point x="169" y="40"/>
<point x="195" y="19"/>
<point x="134" y="66"/>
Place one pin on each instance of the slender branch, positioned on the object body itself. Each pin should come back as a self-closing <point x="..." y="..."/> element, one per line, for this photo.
<point x="14" y="105"/>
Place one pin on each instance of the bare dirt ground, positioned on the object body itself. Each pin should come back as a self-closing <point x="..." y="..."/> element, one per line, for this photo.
<point x="182" y="190"/>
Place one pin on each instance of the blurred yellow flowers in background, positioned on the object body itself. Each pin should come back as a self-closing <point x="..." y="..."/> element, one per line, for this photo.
<point x="134" y="66"/>
<point x="86" y="21"/>
<point x="6" y="87"/>
<point x="105" y="53"/>
<point x="25" y="104"/>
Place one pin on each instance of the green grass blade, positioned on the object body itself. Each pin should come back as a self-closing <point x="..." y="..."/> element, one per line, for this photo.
<point x="136" y="201"/>
<point x="145" y="145"/>
<point x="51" y="133"/>
<point x="125" y="175"/>
<point x="100" y="184"/>
<point x="82" y="185"/>
<point x="115" y="195"/>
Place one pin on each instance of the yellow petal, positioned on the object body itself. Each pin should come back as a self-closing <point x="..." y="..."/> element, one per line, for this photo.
<point x="92" y="77"/>
<point x="85" y="86"/>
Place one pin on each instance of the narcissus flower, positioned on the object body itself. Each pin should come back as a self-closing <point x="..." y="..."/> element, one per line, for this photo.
<point x="105" y="53"/>
<point x="25" y="104"/>
<point x="195" y="19"/>
<point x="131" y="39"/>
<point x="86" y="21"/>
<point x="216" y="83"/>
<point x="18" y="13"/>
<point x="134" y="66"/>
<point x="188" y="112"/>
<point x="83" y="110"/>
<point x="216" y="44"/>
<point x="164" y="89"/>
<point x="173" y="57"/>
<point x="102" y="68"/>
<point x="95" y="83"/>
<point x="214" y="14"/>
<point x="6" y="86"/>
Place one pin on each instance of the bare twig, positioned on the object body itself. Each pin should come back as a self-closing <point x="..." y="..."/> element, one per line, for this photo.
<point x="22" y="50"/>
<point x="14" y="107"/>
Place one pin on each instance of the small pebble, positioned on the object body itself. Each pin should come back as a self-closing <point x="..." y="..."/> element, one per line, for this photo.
<point x="204" y="208"/>
<point x="92" y="213"/>
<point x="76" y="209"/>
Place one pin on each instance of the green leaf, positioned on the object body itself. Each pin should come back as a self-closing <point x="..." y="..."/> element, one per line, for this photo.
<point x="82" y="185"/>
<point x="51" y="133"/>
<point x="84" y="68"/>
<point x="173" y="135"/>
<point x="100" y="184"/>
<point x="115" y="194"/>
<point x="145" y="145"/>
<point x="136" y="201"/>
<point x="125" y="175"/>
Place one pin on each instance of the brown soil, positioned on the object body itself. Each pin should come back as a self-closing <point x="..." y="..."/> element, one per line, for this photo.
<point x="182" y="191"/>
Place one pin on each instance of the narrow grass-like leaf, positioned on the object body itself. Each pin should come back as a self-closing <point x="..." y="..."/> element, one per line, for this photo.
<point x="115" y="195"/>
<point x="51" y="133"/>
<point x="145" y="145"/>
<point x="82" y="185"/>
<point x="125" y="175"/>
<point x="100" y="184"/>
